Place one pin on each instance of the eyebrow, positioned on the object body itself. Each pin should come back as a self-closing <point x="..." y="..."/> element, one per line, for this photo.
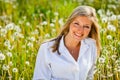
<point x="79" y="22"/>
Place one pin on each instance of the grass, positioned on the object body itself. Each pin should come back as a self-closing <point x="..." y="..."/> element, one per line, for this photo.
<point x="24" y="25"/>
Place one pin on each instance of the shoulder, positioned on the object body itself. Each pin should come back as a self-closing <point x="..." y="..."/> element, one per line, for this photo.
<point x="90" y="41"/>
<point x="47" y="44"/>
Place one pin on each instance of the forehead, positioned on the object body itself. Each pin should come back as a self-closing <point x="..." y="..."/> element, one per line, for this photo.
<point x="83" y="20"/>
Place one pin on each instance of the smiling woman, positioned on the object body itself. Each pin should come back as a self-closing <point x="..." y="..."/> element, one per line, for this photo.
<point x="72" y="54"/>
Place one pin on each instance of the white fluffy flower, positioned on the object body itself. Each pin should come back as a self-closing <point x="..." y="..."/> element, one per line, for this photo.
<point x="2" y="56"/>
<point x="101" y="60"/>
<point x="30" y="44"/>
<point x="9" y="54"/>
<point x="44" y="23"/>
<point x="5" y="67"/>
<point x="27" y="63"/>
<point x="56" y="13"/>
<point x="52" y="24"/>
<point x="15" y="70"/>
<point x="10" y="26"/>
<point x="111" y="27"/>
<point x="109" y="37"/>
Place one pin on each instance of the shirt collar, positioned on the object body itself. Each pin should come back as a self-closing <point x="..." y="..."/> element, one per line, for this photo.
<point x="85" y="43"/>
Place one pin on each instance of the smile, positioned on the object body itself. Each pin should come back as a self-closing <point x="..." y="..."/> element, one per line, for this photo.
<point x="78" y="35"/>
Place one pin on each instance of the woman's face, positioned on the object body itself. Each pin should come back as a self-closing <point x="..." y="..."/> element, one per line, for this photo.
<point x="80" y="28"/>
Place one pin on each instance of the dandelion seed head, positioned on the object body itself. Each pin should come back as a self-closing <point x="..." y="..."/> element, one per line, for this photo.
<point x="52" y="24"/>
<point x="31" y="38"/>
<point x="27" y="63"/>
<point x="61" y="22"/>
<point x="101" y="60"/>
<point x="47" y="35"/>
<point x="3" y="32"/>
<point x="111" y="27"/>
<point x="113" y="17"/>
<point x="5" y="67"/>
<point x="44" y="23"/>
<point x="10" y="63"/>
<point x="30" y="44"/>
<point x="118" y="17"/>
<point x="109" y="37"/>
<point x="17" y="28"/>
<point x="10" y="26"/>
<point x="28" y="24"/>
<point x="56" y="13"/>
<point x="9" y="54"/>
<point x="2" y="56"/>
<point x="15" y="70"/>
<point x="104" y="20"/>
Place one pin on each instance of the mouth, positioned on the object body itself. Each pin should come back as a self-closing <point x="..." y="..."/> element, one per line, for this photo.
<point x="78" y="35"/>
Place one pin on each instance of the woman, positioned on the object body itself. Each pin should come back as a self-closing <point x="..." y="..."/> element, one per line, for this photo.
<point x="72" y="55"/>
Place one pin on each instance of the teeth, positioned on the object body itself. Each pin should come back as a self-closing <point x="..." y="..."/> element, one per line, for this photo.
<point x="78" y="34"/>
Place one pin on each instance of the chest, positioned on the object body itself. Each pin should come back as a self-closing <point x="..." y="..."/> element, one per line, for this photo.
<point x="65" y="68"/>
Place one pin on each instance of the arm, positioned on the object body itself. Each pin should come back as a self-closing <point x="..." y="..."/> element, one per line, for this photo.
<point x="90" y="75"/>
<point x="41" y="71"/>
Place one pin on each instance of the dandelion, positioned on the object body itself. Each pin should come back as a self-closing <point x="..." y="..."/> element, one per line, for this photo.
<point x="15" y="70"/>
<point x="24" y="17"/>
<point x="119" y="43"/>
<point x="44" y="23"/>
<point x="56" y="13"/>
<point x="61" y="22"/>
<point x="20" y="22"/>
<point x="35" y="32"/>
<point x="53" y="20"/>
<point x="111" y="27"/>
<point x="27" y="63"/>
<point x="109" y="13"/>
<point x="3" y="32"/>
<point x="9" y="54"/>
<point x="118" y="17"/>
<point x="100" y="11"/>
<point x="101" y="60"/>
<point x="109" y="37"/>
<point x="113" y="17"/>
<point x="41" y="14"/>
<point x="10" y="63"/>
<point x="17" y="28"/>
<point x="31" y="38"/>
<point x="52" y="24"/>
<point x="10" y="26"/>
<point x="53" y="30"/>
<point x="5" y="67"/>
<point x="30" y="44"/>
<point x="47" y="35"/>
<point x="27" y="23"/>
<point x="104" y="20"/>
<point x="103" y="30"/>
<point x="109" y="74"/>
<point x="11" y="47"/>
<point x="2" y="56"/>
<point x="109" y="66"/>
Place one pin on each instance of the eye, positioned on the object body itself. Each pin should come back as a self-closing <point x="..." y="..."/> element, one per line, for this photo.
<point x="76" y="23"/>
<point x="88" y="27"/>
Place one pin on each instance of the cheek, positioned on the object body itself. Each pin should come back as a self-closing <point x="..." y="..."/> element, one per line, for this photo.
<point x="87" y="32"/>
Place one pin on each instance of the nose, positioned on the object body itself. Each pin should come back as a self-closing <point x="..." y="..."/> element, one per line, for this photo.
<point x="80" y="29"/>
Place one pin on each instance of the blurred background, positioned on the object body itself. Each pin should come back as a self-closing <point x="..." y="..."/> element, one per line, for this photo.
<point x="25" y="24"/>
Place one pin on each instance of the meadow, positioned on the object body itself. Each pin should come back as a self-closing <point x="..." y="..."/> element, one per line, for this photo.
<point x="25" y="24"/>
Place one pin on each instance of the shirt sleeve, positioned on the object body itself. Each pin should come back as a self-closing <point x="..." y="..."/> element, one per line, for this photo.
<point x="90" y="75"/>
<point x="41" y="71"/>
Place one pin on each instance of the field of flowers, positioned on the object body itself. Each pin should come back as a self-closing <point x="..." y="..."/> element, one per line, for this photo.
<point x="25" y="24"/>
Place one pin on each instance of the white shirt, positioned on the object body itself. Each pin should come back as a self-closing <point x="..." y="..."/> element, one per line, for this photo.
<point x="52" y="66"/>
